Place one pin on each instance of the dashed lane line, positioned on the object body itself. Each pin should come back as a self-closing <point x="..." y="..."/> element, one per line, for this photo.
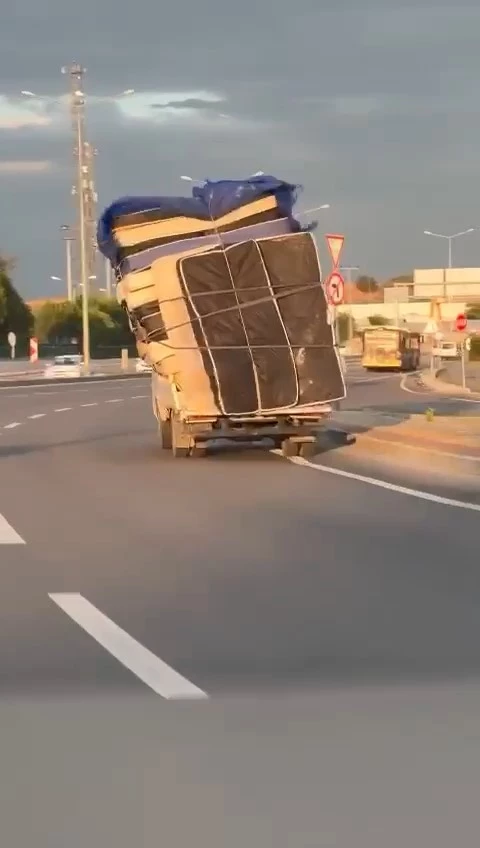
<point x="9" y="536"/>
<point x="37" y="415"/>
<point x="144" y="664"/>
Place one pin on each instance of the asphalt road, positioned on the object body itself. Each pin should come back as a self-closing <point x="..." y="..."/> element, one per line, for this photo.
<point x="331" y="627"/>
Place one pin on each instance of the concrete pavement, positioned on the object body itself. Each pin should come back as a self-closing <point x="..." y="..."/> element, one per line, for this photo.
<point x="333" y="624"/>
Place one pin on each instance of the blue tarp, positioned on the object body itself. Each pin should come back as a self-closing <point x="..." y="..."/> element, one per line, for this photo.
<point x="213" y="199"/>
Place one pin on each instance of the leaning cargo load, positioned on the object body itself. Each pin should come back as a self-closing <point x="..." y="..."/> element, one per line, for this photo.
<point x="225" y="298"/>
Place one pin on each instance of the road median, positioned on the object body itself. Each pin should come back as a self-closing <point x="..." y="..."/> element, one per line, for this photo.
<point x="437" y="382"/>
<point x="448" y="443"/>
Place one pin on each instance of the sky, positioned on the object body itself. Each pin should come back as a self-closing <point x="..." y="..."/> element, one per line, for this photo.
<point x="371" y="106"/>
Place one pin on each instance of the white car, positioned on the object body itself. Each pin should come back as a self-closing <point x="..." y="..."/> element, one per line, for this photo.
<point x="63" y="366"/>
<point x="446" y="350"/>
<point x="142" y="367"/>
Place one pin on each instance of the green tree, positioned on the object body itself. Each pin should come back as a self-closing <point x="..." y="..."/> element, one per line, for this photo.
<point x="378" y="320"/>
<point x="367" y="284"/>
<point x="473" y="312"/>
<point x="474" y="355"/>
<point x="57" y="323"/>
<point x="15" y="315"/>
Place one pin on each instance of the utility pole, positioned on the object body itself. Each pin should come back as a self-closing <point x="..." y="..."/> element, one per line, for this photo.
<point x="82" y="190"/>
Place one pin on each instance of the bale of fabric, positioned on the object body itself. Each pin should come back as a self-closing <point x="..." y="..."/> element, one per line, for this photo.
<point x="230" y="309"/>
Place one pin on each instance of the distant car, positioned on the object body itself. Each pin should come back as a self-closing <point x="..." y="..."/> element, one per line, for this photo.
<point x="142" y="367"/>
<point x="63" y="366"/>
<point x="446" y="350"/>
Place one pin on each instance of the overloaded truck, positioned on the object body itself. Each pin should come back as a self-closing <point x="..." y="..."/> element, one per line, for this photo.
<point x="224" y="295"/>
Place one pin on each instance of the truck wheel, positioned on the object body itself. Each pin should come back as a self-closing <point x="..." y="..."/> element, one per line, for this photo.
<point x="199" y="451"/>
<point x="308" y="450"/>
<point x="181" y="453"/>
<point x="289" y="448"/>
<point x="165" y="430"/>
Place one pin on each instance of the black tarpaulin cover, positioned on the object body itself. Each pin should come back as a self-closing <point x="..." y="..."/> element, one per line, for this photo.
<point x="260" y="318"/>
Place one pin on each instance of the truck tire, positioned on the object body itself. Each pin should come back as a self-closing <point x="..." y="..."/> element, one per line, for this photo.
<point x="165" y="430"/>
<point x="180" y="453"/>
<point x="289" y="448"/>
<point x="308" y="450"/>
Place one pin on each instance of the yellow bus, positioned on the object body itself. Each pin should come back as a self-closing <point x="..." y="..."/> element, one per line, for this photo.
<point x="391" y="347"/>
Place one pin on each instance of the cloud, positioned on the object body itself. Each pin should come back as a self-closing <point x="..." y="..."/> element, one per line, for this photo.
<point x="33" y="166"/>
<point x="189" y="103"/>
<point x="14" y="116"/>
<point x="146" y="105"/>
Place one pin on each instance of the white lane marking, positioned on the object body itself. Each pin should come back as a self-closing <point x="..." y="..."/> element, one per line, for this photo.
<point x="403" y="385"/>
<point x="9" y="536"/>
<point x="382" y="484"/>
<point x="156" y="674"/>
<point x="69" y="409"/>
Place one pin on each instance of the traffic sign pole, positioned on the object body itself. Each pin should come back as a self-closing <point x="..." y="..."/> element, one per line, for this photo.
<point x="33" y="350"/>
<point x="464" y="380"/>
<point x="12" y="341"/>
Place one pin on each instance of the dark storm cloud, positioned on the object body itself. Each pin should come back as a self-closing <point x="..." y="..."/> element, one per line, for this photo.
<point x="371" y="104"/>
<point x="189" y="103"/>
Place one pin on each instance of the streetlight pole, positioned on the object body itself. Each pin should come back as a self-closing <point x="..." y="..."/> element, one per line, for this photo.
<point x="78" y="104"/>
<point x="348" y="270"/>
<point x="68" y="251"/>
<point x="449" y="239"/>
<point x="108" y="278"/>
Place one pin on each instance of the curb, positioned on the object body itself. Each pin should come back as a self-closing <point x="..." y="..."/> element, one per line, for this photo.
<point x="443" y="386"/>
<point x="42" y="381"/>
<point x="451" y="448"/>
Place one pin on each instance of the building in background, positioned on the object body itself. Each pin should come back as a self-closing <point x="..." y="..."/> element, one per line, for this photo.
<point x="452" y="284"/>
<point x="441" y="293"/>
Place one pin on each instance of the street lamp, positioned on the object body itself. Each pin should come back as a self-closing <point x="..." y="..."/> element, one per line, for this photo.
<point x="348" y="271"/>
<point x="68" y="238"/>
<point x="188" y="179"/>
<point x="449" y="239"/>
<point x="108" y="277"/>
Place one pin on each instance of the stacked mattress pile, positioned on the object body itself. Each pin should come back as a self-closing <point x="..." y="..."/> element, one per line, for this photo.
<point x="224" y="295"/>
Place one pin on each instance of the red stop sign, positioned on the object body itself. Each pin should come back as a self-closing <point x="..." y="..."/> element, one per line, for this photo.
<point x="460" y="322"/>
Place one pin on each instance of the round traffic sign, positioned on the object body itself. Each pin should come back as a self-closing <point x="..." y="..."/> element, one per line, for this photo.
<point x="335" y="288"/>
<point x="12" y="339"/>
<point x="460" y="322"/>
